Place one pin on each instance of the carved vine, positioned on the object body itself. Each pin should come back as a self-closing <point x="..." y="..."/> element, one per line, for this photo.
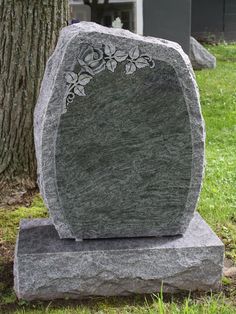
<point x="93" y="60"/>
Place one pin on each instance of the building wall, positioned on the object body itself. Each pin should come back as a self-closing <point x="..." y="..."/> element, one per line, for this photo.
<point x="214" y="19"/>
<point x="207" y="18"/>
<point x="168" y="19"/>
<point x="130" y="12"/>
<point x="230" y="20"/>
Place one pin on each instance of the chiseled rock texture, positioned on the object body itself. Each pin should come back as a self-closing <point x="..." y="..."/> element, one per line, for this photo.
<point x="119" y="135"/>
<point x="47" y="267"/>
<point x="200" y="57"/>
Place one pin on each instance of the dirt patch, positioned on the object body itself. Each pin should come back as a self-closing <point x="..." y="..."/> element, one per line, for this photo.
<point x="10" y="198"/>
<point x="229" y="273"/>
<point x="6" y="267"/>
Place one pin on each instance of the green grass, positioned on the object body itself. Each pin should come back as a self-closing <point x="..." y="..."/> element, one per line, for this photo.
<point x="217" y="205"/>
<point x="209" y="305"/>
<point x="9" y="219"/>
<point x="218" y="99"/>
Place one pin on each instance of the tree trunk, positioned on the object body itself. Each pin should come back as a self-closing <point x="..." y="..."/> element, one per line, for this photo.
<point x="28" y="33"/>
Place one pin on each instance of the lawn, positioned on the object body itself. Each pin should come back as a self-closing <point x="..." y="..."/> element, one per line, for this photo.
<point x="217" y="205"/>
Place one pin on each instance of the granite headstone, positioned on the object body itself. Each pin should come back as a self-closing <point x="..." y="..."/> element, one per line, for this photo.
<point x="200" y="57"/>
<point x="119" y="140"/>
<point x="119" y="135"/>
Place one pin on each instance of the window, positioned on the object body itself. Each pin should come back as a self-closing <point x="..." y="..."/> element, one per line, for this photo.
<point x="130" y="12"/>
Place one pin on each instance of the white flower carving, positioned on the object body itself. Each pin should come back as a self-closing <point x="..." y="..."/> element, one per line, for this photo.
<point x="93" y="60"/>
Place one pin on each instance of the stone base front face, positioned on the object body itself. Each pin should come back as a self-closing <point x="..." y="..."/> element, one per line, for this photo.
<point x="47" y="267"/>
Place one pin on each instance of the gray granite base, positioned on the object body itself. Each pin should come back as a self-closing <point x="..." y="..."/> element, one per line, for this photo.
<point x="47" y="267"/>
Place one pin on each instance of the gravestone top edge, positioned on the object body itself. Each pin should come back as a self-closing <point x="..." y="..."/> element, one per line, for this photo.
<point x="168" y="51"/>
<point x="90" y="27"/>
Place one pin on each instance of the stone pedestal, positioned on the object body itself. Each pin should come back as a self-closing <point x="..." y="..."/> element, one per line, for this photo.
<point x="47" y="267"/>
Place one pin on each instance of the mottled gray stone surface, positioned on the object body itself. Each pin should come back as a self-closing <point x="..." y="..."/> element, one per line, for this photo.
<point x="120" y="147"/>
<point x="200" y="57"/>
<point x="47" y="267"/>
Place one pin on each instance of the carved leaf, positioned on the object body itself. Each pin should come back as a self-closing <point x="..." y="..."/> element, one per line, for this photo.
<point x="79" y="90"/>
<point x="109" y="50"/>
<point x="141" y="63"/>
<point x="84" y="79"/>
<point x="71" y="77"/>
<point x="134" y="53"/>
<point x="111" y="65"/>
<point x="130" y="68"/>
<point x="120" y="56"/>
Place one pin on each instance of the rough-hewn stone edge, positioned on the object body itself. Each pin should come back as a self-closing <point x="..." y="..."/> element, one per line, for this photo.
<point x="184" y="266"/>
<point x="163" y="50"/>
<point x="46" y="92"/>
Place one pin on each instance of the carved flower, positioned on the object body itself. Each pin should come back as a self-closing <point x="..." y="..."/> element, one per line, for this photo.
<point x="94" y="60"/>
<point x="91" y="59"/>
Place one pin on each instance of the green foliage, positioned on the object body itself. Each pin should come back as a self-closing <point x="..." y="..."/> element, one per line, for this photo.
<point x="9" y="225"/>
<point x="8" y="298"/>
<point x="226" y="281"/>
<point x="217" y="205"/>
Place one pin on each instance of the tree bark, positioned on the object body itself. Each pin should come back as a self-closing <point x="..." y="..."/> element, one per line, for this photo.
<point x="28" y="34"/>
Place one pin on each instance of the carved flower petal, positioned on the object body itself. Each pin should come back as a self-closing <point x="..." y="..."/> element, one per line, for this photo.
<point x="99" y="68"/>
<point x="79" y="90"/>
<point x="141" y="63"/>
<point x="71" y="77"/>
<point x="134" y="53"/>
<point x="94" y="63"/>
<point x="82" y="51"/>
<point x="130" y="68"/>
<point x="89" y="70"/>
<point x="120" y="56"/>
<point x="111" y="65"/>
<point x="84" y="79"/>
<point x="109" y="50"/>
<point x="89" y="55"/>
<point x="81" y="62"/>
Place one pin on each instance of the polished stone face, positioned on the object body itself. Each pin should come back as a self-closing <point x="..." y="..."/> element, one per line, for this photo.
<point x="119" y="135"/>
<point x="124" y="154"/>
